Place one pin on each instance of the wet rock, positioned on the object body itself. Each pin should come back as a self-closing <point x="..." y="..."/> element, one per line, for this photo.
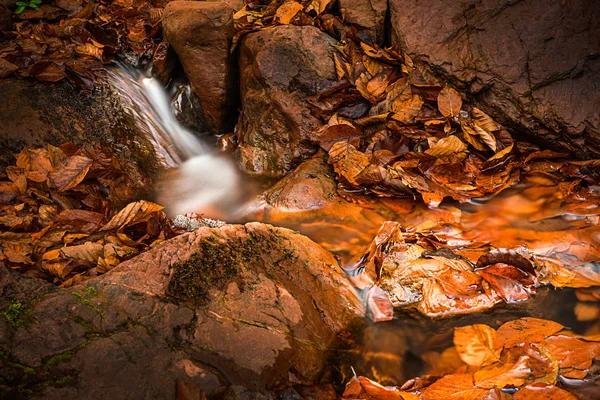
<point x="279" y="68"/>
<point x="308" y="200"/>
<point x="34" y="114"/>
<point x="252" y="306"/>
<point x="369" y="18"/>
<point x="201" y="33"/>
<point x="533" y="65"/>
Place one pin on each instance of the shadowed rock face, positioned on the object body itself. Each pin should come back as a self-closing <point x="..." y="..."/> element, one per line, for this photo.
<point x="533" y="64"/>
<point x="249" y="305"/>
<point x="201" y="33"/>
<point x="280" y="68"/>
<point x="34" y="114"/>
<point x="368" y="16"/>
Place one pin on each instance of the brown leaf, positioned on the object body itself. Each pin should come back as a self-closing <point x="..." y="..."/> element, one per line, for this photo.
<point x="446" y="146"/>
<point x="88" y="251"/>
<point x="456" y="386"/>
<point x="35" y="163"/>
<point x="133" y="213"/>
<point x="6" y="68"/>
<point x="449" y="102"/>
<point x="8" y="192"/>
<point x="525" y="330"/>
<point x="364" y="388"/>
<point x="347" y="161"/>
<point x="336" y="133"/>
<point x="70" y="173"/>
<point x="511" y="283"/>
<point x="475" y="344"/>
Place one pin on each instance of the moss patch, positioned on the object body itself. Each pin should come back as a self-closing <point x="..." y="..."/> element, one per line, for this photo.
<point x="214" y="265"/>
<point x="16" y="314"/>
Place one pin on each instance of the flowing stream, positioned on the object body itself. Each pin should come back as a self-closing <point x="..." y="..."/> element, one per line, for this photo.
<point x="205" y="181"/>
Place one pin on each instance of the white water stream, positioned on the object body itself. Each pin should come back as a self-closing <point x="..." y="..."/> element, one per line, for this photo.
<point x="204" y="180"/>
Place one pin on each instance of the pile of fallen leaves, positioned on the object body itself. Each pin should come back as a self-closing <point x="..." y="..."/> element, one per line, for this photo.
<point x="72" y="39"/>
<point x="393" y="129"/>
<point x="440" y="271"/>
<point x="524" y="359"/>
<point x="57" y="217"/>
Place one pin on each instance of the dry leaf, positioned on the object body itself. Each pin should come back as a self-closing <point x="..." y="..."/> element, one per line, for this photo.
<point x="449" y="102"/>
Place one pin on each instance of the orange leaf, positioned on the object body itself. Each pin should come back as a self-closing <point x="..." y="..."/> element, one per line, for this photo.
<point x="475" y="344"/>
<point x="457" y="386"/>
<point x="525" y="330"/>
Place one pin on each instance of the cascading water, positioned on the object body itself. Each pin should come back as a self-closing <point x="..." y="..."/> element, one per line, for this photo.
<point x="204" y="180"/>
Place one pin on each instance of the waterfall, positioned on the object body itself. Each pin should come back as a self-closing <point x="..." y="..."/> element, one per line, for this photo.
<point x="201" y="179"/>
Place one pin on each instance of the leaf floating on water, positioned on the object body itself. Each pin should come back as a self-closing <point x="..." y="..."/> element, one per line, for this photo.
<point x="475" y="344"/>
<point x="525" y="330"/>
<point x="457" y="386"/>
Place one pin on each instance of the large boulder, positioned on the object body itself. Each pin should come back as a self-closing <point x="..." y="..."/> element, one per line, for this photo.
<point x="368" y="16"/>
<point x="532" y="64"/>
<point x="35" y="114"/>
<point x="255" y="306"/>
<point x="279" y="69"/>
<point x="201" y="34"/>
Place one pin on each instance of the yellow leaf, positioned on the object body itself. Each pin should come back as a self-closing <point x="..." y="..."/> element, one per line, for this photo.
<point x="287" y="12"/>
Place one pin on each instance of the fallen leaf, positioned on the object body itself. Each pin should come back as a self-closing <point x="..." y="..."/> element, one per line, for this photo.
<point x="133" y="213"/>
<point x="287" y="11"/>
<point x="70" y="172"/>
<point x="475" y="344"/>
<point x="536" y="391"/>
<point x="525" y="330"/>
<point x="449" y="102"/>
<point x="456" y="386"/>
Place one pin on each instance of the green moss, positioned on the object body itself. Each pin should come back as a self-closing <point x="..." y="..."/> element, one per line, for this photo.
<point x="16" y="314"/>
<point x="92" y="291"/>
<point x="87" y="302"/>
<point x="215" y="265"/>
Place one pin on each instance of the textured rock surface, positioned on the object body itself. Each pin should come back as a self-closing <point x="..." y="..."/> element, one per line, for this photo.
<point x="201" y="33"/>
<point x="533" y="64"/>
<point x="34" y="114"/>
<point x="279" y="68"/>
<point x="251" y="305"/>
<point x="369" y="18"/>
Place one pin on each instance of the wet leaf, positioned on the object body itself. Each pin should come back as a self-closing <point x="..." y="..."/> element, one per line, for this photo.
<point x="501" y="375"/>
<point x="537" y="391"/>
<point x="475" y="344"/>
<point x="457" y="386"/>
<point x="511" y="283"/>
<point x="525" y="330"/>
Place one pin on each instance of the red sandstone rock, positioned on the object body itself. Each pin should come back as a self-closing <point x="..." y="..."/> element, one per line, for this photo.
<point x="201" y="33"/>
